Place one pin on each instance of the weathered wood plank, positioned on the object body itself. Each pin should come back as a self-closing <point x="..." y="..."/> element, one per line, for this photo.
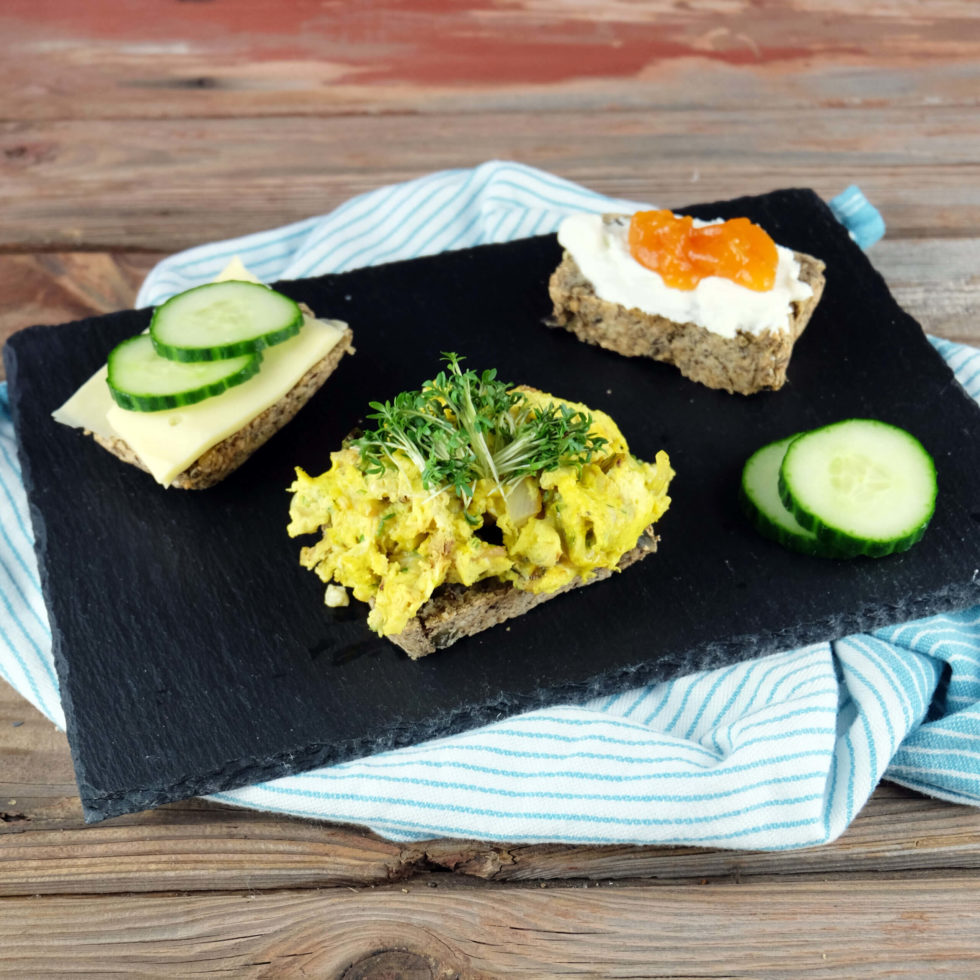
<point x="936" y="281"/>
<point x="205" y="848"/>
<point x="56" y="287"/>
<point x="163" y="186"/>
<point x="151" y="60"/>
<point x="199" y="846"/>
<point x="915" y="928"/>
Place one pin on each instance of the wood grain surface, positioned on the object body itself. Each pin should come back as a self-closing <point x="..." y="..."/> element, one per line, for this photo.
<point x="254" y="894"/>
<point x="131" y="130"/>
<point x="756" y="929"/>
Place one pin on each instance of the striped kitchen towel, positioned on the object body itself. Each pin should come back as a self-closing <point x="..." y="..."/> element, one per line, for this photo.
<point x="773" y="753"/>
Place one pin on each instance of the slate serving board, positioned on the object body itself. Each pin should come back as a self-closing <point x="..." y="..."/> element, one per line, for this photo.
<point x="196" y="655"/>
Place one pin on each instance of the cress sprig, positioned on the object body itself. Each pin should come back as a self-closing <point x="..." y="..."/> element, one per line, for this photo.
<point x="463" y="426"/>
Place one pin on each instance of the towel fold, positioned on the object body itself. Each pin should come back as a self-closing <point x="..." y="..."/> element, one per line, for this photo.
<point x="773" y="753"/>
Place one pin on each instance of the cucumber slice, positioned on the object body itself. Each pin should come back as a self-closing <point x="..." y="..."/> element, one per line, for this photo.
<point x="860" y="485"/>
<point x="759" y="497"/>
<point x="223" y="319"/>
<point x="142" y="381"/>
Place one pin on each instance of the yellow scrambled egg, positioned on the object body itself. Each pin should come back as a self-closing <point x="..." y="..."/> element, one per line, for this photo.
<point x="393" y="542"/>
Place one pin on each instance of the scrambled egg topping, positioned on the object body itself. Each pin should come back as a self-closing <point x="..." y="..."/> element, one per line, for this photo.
<point x="393" y="542"/>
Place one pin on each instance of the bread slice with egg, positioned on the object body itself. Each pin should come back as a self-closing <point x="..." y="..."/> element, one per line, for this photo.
<point x="746" y="363"/>
<point x="556" y="501"/>
<point x="455" y="611"/>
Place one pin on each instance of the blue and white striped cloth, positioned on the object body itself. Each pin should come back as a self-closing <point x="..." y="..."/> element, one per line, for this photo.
<point x="773" y="753"/>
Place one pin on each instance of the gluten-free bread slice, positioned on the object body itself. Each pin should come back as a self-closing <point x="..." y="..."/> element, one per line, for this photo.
<point x="226" y="456"/>
<point x="455" y="611"/>
<point x="743" y="364"/>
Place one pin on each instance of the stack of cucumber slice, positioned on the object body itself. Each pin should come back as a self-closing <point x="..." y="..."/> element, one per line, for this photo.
<point x="200" y="343"/>
<point x="856" y="487"/>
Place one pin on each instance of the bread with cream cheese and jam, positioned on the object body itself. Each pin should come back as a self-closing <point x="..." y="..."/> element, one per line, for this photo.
<point x="720" y="301"/>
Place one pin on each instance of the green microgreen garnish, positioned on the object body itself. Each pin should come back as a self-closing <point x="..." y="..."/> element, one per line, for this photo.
<point x="463" y="426"/>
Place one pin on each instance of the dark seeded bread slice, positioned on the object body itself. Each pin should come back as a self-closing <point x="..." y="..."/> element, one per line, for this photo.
<point x="743" y="364"/>
<point x="455" y="611"/>
<point x="227" y="455"/>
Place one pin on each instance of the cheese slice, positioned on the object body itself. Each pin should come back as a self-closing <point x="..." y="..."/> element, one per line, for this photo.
<point x="88" y="407"/>
<point x="168" y="442"/>
<point x="236" y="269"/>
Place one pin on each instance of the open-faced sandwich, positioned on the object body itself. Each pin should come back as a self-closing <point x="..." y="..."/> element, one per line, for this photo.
<point x="720" y="300"/>
<point x="470" y="503"/>
<point x="221" y="369"/>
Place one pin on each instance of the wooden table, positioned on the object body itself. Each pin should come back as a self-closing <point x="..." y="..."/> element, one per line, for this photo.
<point x="131" y="130"/>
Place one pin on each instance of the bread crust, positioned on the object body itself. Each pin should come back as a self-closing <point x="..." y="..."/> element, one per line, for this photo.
<point x="455" y="611"/>
<point x="743" y="364"/>
<point x="226" y="456"/>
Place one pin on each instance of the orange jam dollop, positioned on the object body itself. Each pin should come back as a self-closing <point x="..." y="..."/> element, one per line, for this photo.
<point x="683" y="255"/>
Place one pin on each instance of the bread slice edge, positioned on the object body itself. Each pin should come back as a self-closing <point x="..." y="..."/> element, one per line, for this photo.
<point x="744" y="364"/>
<point x="226" y="456"/>
<point x="455" y="611"/>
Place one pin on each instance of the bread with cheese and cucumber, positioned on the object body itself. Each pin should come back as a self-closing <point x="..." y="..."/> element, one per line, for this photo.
<point x="728" y="320"/>
<point x="191" y="418"/>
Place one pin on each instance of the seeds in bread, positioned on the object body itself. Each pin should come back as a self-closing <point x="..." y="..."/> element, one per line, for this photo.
<point x="226" y="456"/>
<point x="743" y="364"/>
<point x="455" y="612"/>
<point x="556" y="499"/>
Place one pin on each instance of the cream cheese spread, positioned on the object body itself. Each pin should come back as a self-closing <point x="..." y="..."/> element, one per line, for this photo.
<point x="601" y="250"/>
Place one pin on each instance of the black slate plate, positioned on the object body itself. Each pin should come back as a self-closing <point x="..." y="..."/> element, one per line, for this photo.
<point x="195" y="654"/>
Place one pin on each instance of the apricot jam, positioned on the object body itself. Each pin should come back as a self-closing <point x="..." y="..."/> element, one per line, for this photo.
<point x="684" y="255"/>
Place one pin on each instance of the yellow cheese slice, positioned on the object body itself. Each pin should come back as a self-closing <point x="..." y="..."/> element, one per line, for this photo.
<point x="168" y="442"/>
<point x="236" y="270"/>
<point x="88" y="407"/>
